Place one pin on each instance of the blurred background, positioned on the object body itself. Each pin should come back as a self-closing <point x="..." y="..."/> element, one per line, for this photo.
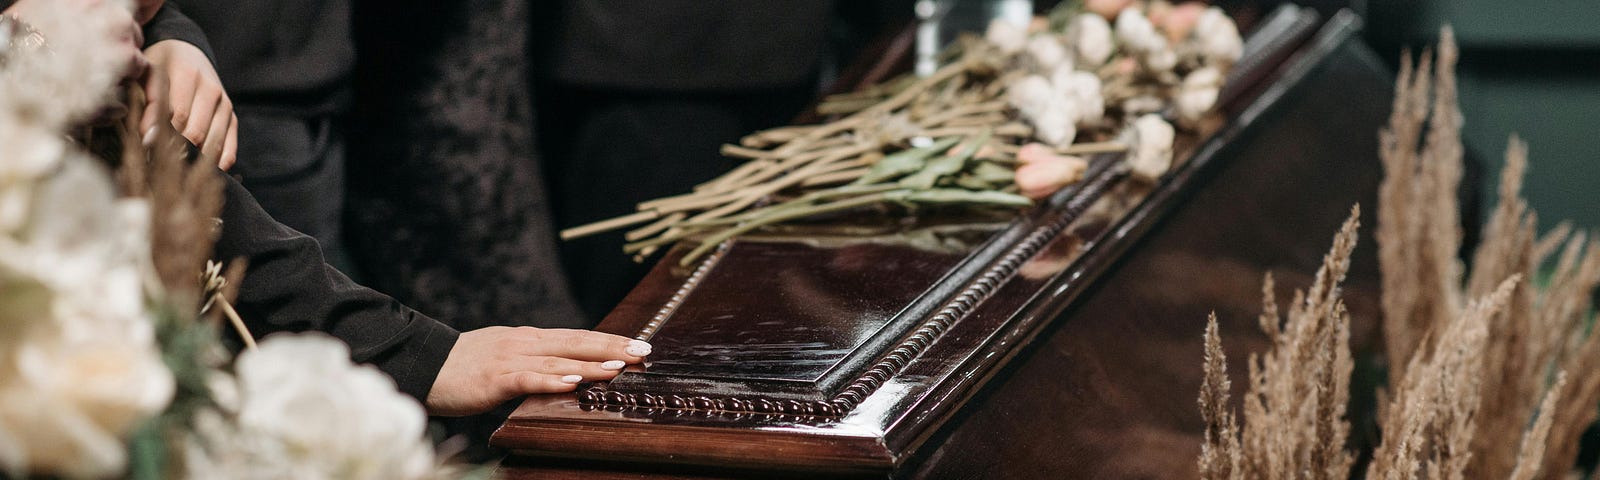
<point x="1527" y="68"/>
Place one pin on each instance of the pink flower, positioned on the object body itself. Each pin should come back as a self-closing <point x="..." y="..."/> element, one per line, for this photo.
<point x="1044" y="171"/>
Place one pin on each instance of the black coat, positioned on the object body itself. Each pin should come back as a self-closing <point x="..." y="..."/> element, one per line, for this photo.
<point x="289" y="288"/>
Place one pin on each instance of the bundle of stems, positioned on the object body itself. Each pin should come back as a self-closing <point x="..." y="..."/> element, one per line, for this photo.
<point x="869" y="157"/>
<point x="948" y="138"/>
<point x="896" y="142"/>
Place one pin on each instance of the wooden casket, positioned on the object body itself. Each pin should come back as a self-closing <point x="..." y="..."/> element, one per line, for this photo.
<point x="1065" y="343"/>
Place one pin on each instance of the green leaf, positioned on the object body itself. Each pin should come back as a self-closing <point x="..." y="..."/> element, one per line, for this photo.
<point x="904" y="162"/>
<point x="969" y="197"/>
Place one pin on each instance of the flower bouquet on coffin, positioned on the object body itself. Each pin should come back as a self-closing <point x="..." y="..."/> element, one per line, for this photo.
<point x="1008" y="119"/>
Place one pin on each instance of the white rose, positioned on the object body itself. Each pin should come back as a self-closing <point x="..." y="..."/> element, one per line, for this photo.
<point x="1030" y="94"/>
<point x="1006" y="36"/>
<point x="1084" y="89"/>
<point x="1197" y="95"/>
<point x="1218" y="37"/>
<point x="1136" y="33"/>
<point x="86" y="368"/>
<point x="1162" y="59"/>
<point x="1047" y="52"/>
<point x="1056" y="125"/>
<point x="1151" y="139"/>
<point x="70" y="405"/>
<point x="302" y="392"/>
<point x="1091" y="38"/>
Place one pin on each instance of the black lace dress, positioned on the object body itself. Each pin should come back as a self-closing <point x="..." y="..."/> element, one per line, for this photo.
<point x="446" y="209"/>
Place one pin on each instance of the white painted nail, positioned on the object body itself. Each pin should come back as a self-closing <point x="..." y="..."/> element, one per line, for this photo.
<point x="637" y="348"/>
<point x="150" y="137"/>
<point x="613" y="365"/>
<point x="572" y="379"/>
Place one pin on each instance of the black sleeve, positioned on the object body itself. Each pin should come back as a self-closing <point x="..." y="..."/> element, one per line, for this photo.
<point x="171" y="24"/>
<point x="288" y="287"/>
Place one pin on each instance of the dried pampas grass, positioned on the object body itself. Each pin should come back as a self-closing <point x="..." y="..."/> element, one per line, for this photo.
<point x="1294" y="412"/>
<point x="1466" y="378"/>
<point x="1534" y="333"/>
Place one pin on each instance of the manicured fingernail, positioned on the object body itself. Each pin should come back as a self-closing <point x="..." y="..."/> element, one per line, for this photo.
<point x="150" y="137"/>
<point x="613" y="365"/>
<point x="637" y="348"/>
<point x="572" y="379"/>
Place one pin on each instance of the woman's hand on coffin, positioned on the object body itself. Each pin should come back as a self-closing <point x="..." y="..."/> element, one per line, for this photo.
<point x="183" y="79"/>
<point x="489" y="366"/>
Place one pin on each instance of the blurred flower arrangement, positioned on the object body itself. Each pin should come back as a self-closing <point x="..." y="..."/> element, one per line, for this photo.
<point x="107" y="368"/>
<point x="1006" y="120"/>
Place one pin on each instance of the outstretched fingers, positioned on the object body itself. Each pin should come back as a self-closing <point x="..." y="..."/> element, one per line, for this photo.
<point x="583" y="345"/>
<point x="525" y="383"/>
<point x="588" y="371"/>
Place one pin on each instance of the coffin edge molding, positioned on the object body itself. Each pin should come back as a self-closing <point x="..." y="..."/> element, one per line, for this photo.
<point x="1069" y="205"/>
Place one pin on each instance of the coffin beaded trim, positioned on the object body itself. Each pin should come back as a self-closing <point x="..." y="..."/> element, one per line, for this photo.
<point x="649" y="329"/>
<point x="912" y="346"/>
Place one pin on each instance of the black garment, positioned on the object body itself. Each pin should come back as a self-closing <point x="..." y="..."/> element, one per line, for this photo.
<point x="171" y="24"/>
<point x="446" y="210"/>
<point x="288" y="287"/>
<point x="686" y="45"/>
<point x="295" y="167"/>
<point x="286" y="65"/>
<point x="280" y="57"/>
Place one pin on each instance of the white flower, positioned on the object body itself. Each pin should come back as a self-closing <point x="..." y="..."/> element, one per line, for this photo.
<point x="1197" y="95"/>
<point x="1218" y="37"/>
<point x="79" y="368"/>
<point x="1056" y="126"/>
<point x="1006" y="36"/>
<point x="1084" y="90"/>
<point x="1054" y="116"/>
<point x="305" y="411"/>
<point x="1151" y="139"/>
<point x="1137" y="34"/>
<point x="74" y="79"/>
<point x="1047" y="52"/>
<point x="1160" y="60"/>
<point x="79" y="365"/>
<point x="1091" y="38"/>
<point x="1030" y="94"/>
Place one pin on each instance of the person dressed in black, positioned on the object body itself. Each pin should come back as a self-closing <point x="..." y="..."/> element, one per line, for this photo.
<point x="289" y="287"/>
<point x="286" y="65"/>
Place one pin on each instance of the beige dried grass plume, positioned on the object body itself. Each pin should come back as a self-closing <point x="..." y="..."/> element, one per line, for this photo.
<point x="1466" y="378"/>
<point x="1536" y="332"/>
<point x="1294" y="411"/>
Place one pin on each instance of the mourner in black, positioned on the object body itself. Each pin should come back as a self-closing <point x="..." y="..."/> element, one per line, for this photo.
<point x="286" y="65"/>
<point x="289" y="287"/>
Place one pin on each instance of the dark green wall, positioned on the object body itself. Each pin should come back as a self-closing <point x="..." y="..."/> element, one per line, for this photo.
<point x="1527" y="67"/>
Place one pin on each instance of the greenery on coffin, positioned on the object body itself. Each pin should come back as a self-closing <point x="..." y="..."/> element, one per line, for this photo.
<point x="1007" y="118"/>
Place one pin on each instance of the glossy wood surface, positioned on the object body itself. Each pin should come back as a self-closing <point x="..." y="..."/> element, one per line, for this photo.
<point x="1064" y="344"/>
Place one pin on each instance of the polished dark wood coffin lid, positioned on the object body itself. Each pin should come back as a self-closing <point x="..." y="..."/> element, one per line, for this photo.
<point x="841" y="347"/>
